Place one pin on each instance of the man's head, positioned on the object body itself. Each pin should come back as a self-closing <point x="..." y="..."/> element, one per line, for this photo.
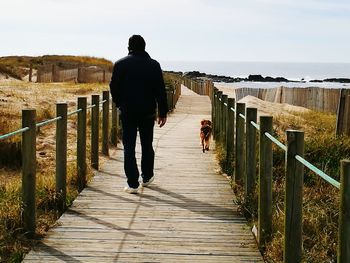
<point x="136" y="43"/>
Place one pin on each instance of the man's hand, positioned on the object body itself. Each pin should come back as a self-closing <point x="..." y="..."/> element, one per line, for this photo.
<point x="161" y="121"/>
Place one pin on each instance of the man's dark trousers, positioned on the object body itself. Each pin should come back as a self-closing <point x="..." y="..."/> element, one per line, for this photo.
<point x="144" y="124"/>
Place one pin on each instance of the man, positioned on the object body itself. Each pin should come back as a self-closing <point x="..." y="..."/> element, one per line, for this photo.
<point x="137" y="87"/>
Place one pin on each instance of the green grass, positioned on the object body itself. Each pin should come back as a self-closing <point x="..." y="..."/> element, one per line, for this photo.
<point x="320" y="200"/>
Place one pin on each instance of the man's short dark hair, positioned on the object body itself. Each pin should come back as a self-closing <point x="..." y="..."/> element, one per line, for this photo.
<point x="137" y="43"/>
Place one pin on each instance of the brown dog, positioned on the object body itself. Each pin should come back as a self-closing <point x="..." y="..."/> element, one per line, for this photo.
<point x="205" y="134"/>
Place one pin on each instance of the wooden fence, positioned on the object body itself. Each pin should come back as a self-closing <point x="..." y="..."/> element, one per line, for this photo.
<point x="53" y="73"/>
<point x="235" y="127"/>
<point x="109" y="136"/>
<point x="314" y="98"/>
<point x="336" y="101"/>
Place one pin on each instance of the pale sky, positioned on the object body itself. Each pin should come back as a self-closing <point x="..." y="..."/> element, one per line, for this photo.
<point x="181" y="30"/>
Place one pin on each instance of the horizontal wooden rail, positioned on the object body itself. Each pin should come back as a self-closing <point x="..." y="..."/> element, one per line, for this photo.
<point x="29" y="147"/>
<point x="294" y="173"/>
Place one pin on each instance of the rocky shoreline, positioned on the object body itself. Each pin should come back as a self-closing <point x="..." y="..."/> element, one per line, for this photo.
<point x="256" y="78"/>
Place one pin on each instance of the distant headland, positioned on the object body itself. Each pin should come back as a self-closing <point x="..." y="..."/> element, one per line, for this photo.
<point x="257" y="78"/>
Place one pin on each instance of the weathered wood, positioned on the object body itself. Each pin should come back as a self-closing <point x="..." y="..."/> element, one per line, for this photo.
<point x="240" y="139"/>
<point x="213" y="112"/>
<point x="114" y="128"/>
<point x="293" y="198"/>
<point x="265" y="182"/>
<point x="340" y="112"/>
<point x="219" y="120"/>
<point x="81" y="144"/>
<point x="61" y="155"/>
<point x="250" y="170"/>
<point x="95" y="115"/>
<point x="105" y="123"/>
<point x="185" y="215"/>
<point x="80" y="75"/>
<point x="55" y="74"/>
<point x="344" y="214"/>
<point x="230" y="140"/>
<point x="224" y="121"/>
<point x="212" y="101"/>
<point x="30" y="73"/>
<point x="29" y="171"/>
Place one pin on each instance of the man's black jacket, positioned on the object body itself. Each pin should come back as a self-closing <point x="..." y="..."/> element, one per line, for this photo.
<point x="137" y="85"/>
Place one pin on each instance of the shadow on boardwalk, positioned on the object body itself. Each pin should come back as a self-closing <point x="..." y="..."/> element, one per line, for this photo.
<point x="187" y="215"/>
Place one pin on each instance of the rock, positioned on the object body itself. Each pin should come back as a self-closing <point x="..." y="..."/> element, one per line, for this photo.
<point x="281" y="79"/>
<point x="340" y="80"/>
<point x="256" y="78"/>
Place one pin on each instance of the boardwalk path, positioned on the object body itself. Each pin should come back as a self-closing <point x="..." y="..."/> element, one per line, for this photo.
<point x="187" y="215"/>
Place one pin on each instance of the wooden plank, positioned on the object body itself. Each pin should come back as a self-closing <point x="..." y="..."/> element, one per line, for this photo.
<point x="186" y="215"/>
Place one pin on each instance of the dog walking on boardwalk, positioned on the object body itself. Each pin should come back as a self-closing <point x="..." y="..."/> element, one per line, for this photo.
<point x="205" y="134"/>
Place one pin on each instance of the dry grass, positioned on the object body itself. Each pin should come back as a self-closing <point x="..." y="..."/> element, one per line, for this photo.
<point x="320" y="200"/>
<point x="14" y="96"/>
<point x="19" y="62"/>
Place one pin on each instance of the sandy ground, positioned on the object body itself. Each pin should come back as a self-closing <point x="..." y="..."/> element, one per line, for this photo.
<point x="5" y="78"/>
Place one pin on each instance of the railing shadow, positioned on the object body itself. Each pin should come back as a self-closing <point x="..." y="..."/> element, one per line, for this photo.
<point x="56" y="253"/>
<point x="117" y="196"/>
<point x="194" y="205"/>
<point x="104" y="223"/>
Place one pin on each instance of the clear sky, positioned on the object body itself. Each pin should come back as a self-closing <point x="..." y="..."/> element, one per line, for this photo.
<point x="183" y="30"/>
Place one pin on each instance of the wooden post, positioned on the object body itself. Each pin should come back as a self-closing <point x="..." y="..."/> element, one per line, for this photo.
<point x="293" y="198"/>
<point x="230" y="135"/>
<point x="344" y="213"/>
<point x="214" y="113"/>
<point x="30" y="72"/>
<point x="29" y="171"/>
<point x="340" y="112"/>
<point x="240" y="139"/>
<point x="81" y="144"/>
<point x="114" y="129"/>
<point x="265" y="181"/>
<point x="38" y="74"/>
<point x="95" y="100"/>
<point x="105" y="123"/>
<point x="212" y="101"/>
<point x="61" y="155"/>
<point x="224" y="120"/>
<point x="250" y="168"/>
<point x="79" y="77"/>
<point x="55" y="74"/>
<point x="219" y="122"/>
<point x="216" y="116"/>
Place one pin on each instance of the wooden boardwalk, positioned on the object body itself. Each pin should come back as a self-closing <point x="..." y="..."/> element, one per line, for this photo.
<point x="186" y="215"/>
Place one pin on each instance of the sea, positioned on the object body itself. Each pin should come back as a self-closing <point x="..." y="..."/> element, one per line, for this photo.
<point x="300" y="72"/>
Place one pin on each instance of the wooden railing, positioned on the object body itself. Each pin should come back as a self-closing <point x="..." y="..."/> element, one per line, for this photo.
<point x="236" y="128"/>
<point x="29" y="133"/>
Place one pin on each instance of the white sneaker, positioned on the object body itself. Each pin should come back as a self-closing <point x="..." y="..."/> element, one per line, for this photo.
<point x="130" y="190"/>
<point x="148" y="182"/>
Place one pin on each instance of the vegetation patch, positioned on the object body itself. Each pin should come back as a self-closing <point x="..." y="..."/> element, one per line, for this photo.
<point x="15" y="96"/>
<point x="320" y="199"/>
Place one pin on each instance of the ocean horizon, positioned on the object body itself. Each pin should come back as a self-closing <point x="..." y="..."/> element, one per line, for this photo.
<point x="290" y="70"/>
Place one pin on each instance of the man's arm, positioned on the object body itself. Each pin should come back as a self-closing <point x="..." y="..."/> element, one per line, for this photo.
<point x="114" y="86"/>
<point x="161" y="95"/>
